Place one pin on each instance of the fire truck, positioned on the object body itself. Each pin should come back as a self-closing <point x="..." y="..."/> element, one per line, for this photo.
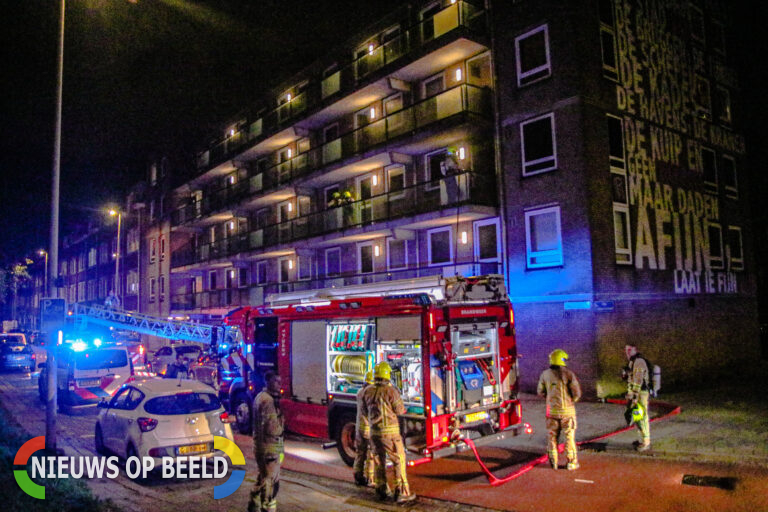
<point x="450" y="343"/>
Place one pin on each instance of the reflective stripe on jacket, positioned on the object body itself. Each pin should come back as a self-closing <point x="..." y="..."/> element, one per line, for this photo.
<point x="638" y="375"/>
<point x="562" y="390"/>
<point x="362" y="424"/>
<point x="381" y="404"/>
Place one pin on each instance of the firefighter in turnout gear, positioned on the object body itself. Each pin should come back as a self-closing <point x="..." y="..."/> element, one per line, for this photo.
<point x="382" y="403"/>
<point x="638" y="377"/>
<point x="267" y="445"/>
<point x="560" y="387"/>
<point x="364" y="457"/>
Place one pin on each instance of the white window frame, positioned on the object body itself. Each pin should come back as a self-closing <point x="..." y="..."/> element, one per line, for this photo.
<point x="530" y="254"/>
<point x="152" y="289"/>
<point x="735" y="263"/>
<point x="623" y="254"/>
<point x="732" y="191"/>
<point x="152" y="250"/>
<point x="441" y="76"/>
<point x="430" y="232"/>
<point x="522" y="75"/>
<point x="716" y="262"/>
<point x="389" y="170"/>
<point x="358" y="249"/>
<point x="280" y="269"/>
<point x="476" y="239"/>
<point x="240" y="272"/>
<point x="325" y="256"/>
<point x="428" y="183"/>
<point x="703" y="110"/>
<point x="389" y="262"/>
<point x="326" y="129"/>
<point x="300" y="277"/>
<point x="259" y="266"/>
<point x="325" y="194"/>
<point x="728" y="118"/>
<point x="610" y="72"/>
<point x="553" y="157"/>
<point x="711" y="184"/>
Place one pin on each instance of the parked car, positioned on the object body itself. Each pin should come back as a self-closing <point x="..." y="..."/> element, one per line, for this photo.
<point x="152" y="417"/>
<point x="15" y="353"/>
<point x="167" y="355"/>
<point x="86" y="374"/>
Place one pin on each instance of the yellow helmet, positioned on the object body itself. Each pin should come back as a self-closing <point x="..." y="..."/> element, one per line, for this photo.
<point x="382" y="371"/>
<point x="557" y="357"/>
<point x="369" y="377"/>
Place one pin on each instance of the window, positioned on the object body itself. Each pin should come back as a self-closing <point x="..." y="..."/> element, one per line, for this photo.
<point x="92" y="257"/>
<point x="538" y="144"/>
<point x="133" y="240"/>
<point x="543" y="240"/>
<point x="242" y="277"/>
<point x="532" y="56"/>
<point x="479" y="71"/>
<point x="697" y="23"/>
<point x="616" y="144"/>
<point x="434" y="168"/>
<point x="333" y="262"/>
<point x="723" y="104"/>
<point x="608" y="39"/>
<point x="304" y="265"/>
<point x="63" y="268"/>
<point x="397" y="254"/>
<point x="212" y="280"/>
<point x="439" y="246"/>
<point x="365" y="258"/>
<point x="261" y="272"/>
<point x="487" y="240"/>
<point x="329" y="191"/>
<point x="162" y="248"/>
<point x="621" y="236"/>
<point x="286" y="266"/>
<point x="702" y="98"/>
<point x="396" y="182"/>
<point x="735" y="251"/>
<point x="715" y="246"/>
<point x="133" y="283"/>
<point x="152" y="250"/>
<point x="728" y="175"/>
<point x="432" y="86"/>
<point x="161" y="287"/>
<point x="152" y="289"/>
<point x="709" y="167"/>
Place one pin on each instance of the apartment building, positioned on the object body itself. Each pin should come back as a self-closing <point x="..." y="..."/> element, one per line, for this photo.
<point x="588" y="150"/>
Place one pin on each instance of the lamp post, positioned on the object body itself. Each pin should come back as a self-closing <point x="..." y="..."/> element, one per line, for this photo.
<point x="112" y="212"/>
<point x="43" y="252"/>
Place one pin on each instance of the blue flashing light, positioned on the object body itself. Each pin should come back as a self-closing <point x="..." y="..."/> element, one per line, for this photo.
<point x="248" y="349"/>
<point x="96" y="342"/>
<point x="78" y="346"/>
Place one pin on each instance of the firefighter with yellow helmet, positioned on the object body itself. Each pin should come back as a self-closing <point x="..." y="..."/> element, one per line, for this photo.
<point x="561" y="388"/>
<point x="364" y="457"/>
<point x="638" y="377"/>
<point x="381" y="404"/>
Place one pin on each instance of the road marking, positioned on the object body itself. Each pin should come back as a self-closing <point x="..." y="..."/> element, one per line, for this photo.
<point x="583" y="481"/>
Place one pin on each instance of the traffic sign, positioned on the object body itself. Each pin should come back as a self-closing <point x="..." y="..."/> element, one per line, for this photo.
<point x="53" y="314"/>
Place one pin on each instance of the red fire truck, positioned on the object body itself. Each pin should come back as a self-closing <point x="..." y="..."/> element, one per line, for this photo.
<point x="450" y="343"/>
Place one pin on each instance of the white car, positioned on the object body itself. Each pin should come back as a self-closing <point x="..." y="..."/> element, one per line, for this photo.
<point x="167" y="355"/>
<point x="161" y="418"/>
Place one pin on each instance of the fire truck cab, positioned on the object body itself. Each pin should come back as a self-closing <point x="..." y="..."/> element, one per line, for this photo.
<point x="451" y="347"/>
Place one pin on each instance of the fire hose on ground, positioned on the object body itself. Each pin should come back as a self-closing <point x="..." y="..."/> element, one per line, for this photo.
<point x="671" y="410"/>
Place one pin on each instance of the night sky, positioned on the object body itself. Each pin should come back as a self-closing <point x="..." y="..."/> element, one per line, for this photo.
<point x="158" y="76"/>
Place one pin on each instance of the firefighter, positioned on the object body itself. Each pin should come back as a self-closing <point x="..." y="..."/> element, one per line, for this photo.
<point x="382" y="404"/>
<point x="561" y="388"/>
<point x="364" y="457"/>
<point x="638" y="380"/>
<point x="267" y="445"/>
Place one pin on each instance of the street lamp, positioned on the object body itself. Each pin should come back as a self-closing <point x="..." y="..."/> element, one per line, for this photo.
<point x="112" y="212"/>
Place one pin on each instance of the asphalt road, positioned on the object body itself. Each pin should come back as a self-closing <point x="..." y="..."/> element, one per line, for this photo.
<point x="611" y="477"/>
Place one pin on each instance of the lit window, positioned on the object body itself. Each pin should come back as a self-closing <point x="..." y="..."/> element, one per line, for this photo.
<point x="543" y="239"/>
<point x="532" y="55"/>
<point x="538" y="144"/>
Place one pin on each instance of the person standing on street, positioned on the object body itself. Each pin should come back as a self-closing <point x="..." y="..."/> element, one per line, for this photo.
<point x="268" y="427"/>
<point x="364" y="457"/>
<point x="638" y="379"/>
<point x="382" y="404"/>
<point x="561" y="388"/>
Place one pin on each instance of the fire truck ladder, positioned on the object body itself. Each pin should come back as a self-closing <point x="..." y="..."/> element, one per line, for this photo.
<point x="144" y="324"/>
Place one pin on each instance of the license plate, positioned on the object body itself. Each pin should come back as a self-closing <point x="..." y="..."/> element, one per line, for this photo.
<point x="193" y="448"/>
<point x="475" y="416"/>
<point x="88" y="383"/>
<point x="19" y="358"/>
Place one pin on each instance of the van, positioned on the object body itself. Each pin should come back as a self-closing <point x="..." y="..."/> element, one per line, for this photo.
<point x="88" y="375"/>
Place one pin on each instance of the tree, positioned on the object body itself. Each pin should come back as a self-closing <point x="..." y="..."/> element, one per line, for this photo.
<point x="15" y="278"/>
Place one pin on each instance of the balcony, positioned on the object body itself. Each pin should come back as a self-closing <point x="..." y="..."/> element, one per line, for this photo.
<point x="461" y="15"/>
<point x="462" y="99"/>
<point x="255" y="294"/>
<point x="465" y="188"/>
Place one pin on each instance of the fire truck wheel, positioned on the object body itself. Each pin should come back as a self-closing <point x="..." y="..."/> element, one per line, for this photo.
<point x="345" y="438"/>
<point x="242" y="409"/>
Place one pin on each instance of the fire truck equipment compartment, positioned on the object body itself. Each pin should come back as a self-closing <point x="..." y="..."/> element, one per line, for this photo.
<point x="471" y="375"/>
<point x="399" y="329"/>
<point x="308" y="353"/>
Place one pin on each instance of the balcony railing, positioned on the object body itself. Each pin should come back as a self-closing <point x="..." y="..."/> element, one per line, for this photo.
<point x="464" y="188"/>
<point x="255" y="294"/>
<point x="459" y="15"/>
<point x="463" y="98"/>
